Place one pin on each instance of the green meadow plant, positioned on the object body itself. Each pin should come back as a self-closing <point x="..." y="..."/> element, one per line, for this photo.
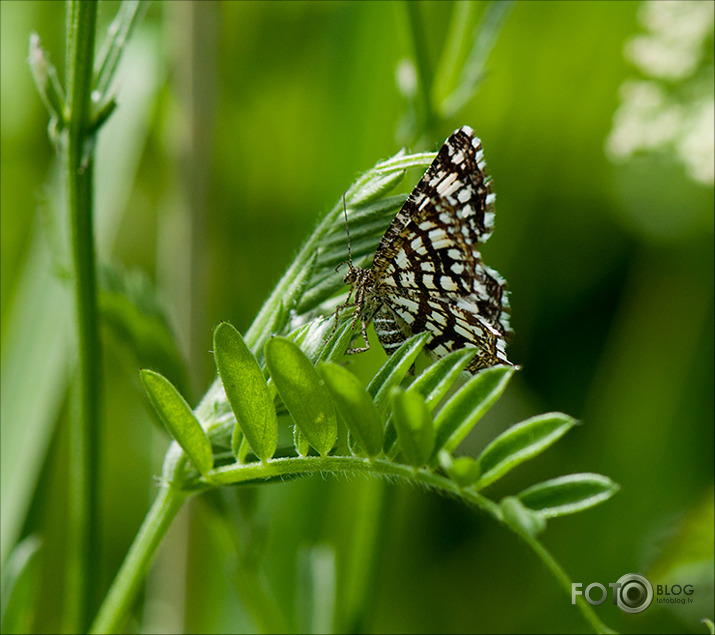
<point x="289" y="369"/>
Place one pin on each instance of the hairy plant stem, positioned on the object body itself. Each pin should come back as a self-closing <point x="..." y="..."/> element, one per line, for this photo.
<point x="113" y="612"/>
<point x="171" y="497"/>
<point x="83" y="552"/>
<point x="351" y="464"/>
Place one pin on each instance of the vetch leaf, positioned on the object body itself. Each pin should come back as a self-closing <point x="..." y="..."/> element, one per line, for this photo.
<point x="436" y="380"/>
<point x="520" y="443"/>
<point x="338" y="343"/>
<point x="468" y="405"/>
<point x="376" y="188"/>
<point x="482" y="39"/>
<point x="304" y="395"/>
<point x="517" y="515"/>
<point x="433" y="384"/>
<point x="413" y="422"/>
<point x="568" y="494"/>
<point x="129" y="305"/>
<point x="354" y="406"/>
<point x="394" y="370"/>
<point x="246" y="391"/>
<point x="179" y="420"/>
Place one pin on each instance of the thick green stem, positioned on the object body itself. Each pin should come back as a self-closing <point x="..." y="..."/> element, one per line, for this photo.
<point x="82" y="583"/>
<point x="113" y="611"/>
<point x="423" y="66"/>
<point x="563" y="579"/>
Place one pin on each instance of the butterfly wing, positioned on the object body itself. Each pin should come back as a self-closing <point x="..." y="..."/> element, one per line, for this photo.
<point x="427" y="269"/>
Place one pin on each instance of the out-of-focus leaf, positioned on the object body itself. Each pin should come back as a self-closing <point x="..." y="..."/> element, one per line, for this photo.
<point x="568" y="494"/>
<point x="316" y="589"/>
<point x="20" y="583"/>
<point x="129" y="306"/>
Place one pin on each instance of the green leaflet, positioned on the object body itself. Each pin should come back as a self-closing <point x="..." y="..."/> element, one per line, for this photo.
<point x="302" y="392"/>
<point x="246" y="390"/>
<point x="433" y="384"/>
<point x="468" y="405"/>
<point x="354" y="406"/>
<point x="568" y="494"/>
<point x="520" y="443"/>
<point x="435" y="381"/>
<point x="413" y="422"/>
<point x="179" y="419"/>
<point x="463" y="470"/>
<point x="518" y="515"/>
<point x="393" y="371"/>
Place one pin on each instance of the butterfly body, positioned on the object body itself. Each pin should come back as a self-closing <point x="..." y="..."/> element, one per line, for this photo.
<point x="427" y="273"/>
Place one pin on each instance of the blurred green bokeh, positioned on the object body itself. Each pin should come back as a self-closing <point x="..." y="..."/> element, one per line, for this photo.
<point x="239" y="125"/>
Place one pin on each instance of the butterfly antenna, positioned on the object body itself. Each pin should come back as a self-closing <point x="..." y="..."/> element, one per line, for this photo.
<point x="349" y="261"/>
<point x="347" y="231"/>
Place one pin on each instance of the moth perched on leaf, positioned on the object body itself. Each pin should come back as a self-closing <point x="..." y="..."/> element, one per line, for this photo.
<point x="427" y="273"/>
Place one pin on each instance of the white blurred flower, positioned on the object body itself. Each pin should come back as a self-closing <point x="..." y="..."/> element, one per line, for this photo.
<point x="672" y="108"/>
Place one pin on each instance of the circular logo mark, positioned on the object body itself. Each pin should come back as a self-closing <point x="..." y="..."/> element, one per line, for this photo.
<point x="634" y="593"/>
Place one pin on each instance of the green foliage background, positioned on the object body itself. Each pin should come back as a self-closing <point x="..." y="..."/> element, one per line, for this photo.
<point x="239" y="125"/>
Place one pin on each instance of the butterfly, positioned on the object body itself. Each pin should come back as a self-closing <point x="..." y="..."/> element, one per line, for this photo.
<point x="427" y="273"/>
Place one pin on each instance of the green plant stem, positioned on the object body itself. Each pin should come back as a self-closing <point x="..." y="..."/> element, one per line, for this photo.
<point x="83" y="570"/>
<point x="350" y="464"/>
<point x="113" y="611"/>
<point x="557" y="570"/>
<point x="170" y="499"/>
<point x="423" y="66"/>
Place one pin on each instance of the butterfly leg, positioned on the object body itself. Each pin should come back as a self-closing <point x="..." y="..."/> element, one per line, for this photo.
<point x="359" y="314"/>
<point x="339" y="308"/>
